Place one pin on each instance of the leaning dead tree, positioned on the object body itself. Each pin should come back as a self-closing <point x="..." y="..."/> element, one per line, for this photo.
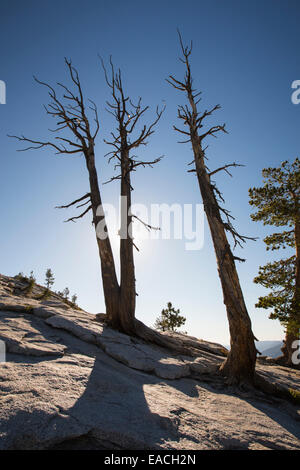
<point x="74" y="134"/>
<point x="125" y="140"/>
<point x="239" y="366"/>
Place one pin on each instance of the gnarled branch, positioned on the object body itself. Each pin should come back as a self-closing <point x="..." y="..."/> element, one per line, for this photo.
<point x="225" y="168"/>
<point x="86" y="196"/>
<point x="73" y="219"/>
<point x="148" y="227"/>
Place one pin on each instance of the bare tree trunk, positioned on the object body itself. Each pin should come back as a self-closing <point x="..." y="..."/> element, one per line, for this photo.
<point x="127" y="115"/>
<point x="71" y="112"/>
<point x="120" y="302"/>
<point x="109" y="278"/>
<point x="127" y="283"/>
<point x="239" y="366"/>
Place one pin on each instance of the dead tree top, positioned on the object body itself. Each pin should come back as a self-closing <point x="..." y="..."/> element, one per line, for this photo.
<point x="128" y="115"/>
<point x="194" y="121"/>
<point x="71" y="114"/>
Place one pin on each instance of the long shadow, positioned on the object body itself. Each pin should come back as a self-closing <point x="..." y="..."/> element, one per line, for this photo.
<point x="113" y="408"/>
<point x="113" y="411"/>
<point x="114" y="402"/>
<point x="280" y="411"/>
<point x="130" y="421"/>
<point x="280" y="416"/>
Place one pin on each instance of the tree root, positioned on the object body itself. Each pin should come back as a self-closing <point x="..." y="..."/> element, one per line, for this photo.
<point x="282" y="361"/>
<point x="151" y="336"/>
<point x="177" y="344"/>
<point x="276" y="390"/>
<point x="261" y="388"/>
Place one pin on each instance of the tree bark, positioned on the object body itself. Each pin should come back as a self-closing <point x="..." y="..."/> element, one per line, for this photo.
<point x="109" y="278"/>
<point x="287" y="350"/>
<point x="127" y="115"/>
<point x="239" y="366"/>
<point x="127" y="282"/>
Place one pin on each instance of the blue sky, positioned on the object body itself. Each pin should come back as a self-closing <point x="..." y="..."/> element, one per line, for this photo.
<point x="245" y="58"/>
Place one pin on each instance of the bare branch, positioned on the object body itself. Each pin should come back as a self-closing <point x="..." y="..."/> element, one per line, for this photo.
<point x="148" y="227"/>
<point x="176" y="83"/>
<point x="212" y="131"/>
<point x="181" y="131"/>
<point x="147" y="131"/>
<point x="237" y="258"/>
<point x="205" y="114"/>
<point x="114" y="178"/>
<point x="71" y="116"/>
<point x="73" y="219"/>
<point x="135" y="163"/>
<point x="135" y="247"/>
<point x="38" y="145"/>
<point x="128" y="115"/>
<point x="86" y="196"/>
<point x="237" y="237"/>
<point x="225" y="169"/>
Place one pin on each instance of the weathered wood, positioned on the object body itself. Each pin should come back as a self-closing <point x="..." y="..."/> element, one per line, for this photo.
<point x="239" y="366"/>
<point x="71" y="111"/>
<point x="111" y="287"/>
<point x="127" y="115"/>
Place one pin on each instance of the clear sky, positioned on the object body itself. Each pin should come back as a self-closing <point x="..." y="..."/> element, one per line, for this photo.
<point x="245" y="57"/>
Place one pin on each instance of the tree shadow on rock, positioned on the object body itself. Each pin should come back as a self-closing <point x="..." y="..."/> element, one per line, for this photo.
<point x="114" y="405"/>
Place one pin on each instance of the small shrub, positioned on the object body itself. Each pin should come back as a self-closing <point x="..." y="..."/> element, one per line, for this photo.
<point x="49" y="281"/>
<point x="169" y="319"/>
<point x="21" y="277"/>
<point x="29" y="288"/>
<point x="46" y="294"/>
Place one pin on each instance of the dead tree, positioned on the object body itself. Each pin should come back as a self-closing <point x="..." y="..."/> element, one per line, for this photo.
<point x="125" y="140"/>
<point x="239" y="366"/>
<point x="71" y="115"/>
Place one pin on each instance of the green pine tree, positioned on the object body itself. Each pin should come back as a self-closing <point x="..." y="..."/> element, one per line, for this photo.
<point x="278" y="204"/>
<point x="49" y="281"/>
<point x="169" y="319"/>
